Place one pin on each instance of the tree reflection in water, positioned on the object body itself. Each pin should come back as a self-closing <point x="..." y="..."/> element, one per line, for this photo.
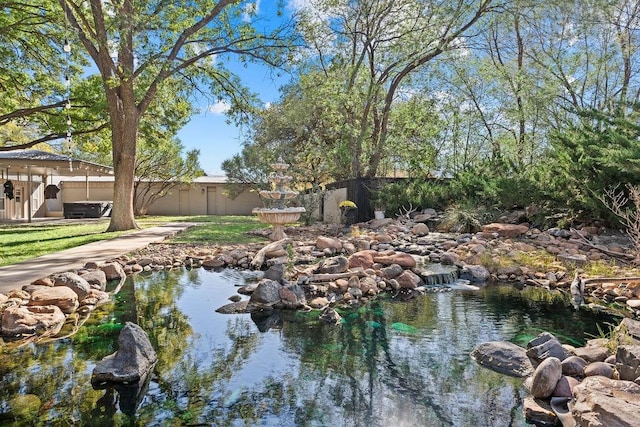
<point x="387" y="364"/>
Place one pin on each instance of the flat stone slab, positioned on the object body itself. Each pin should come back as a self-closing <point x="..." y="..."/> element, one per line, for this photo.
<point x="503" y="357"/>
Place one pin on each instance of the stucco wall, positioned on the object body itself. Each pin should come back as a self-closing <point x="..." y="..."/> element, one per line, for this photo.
<point x="332" y="199"/>
<point x="195" y="199"/>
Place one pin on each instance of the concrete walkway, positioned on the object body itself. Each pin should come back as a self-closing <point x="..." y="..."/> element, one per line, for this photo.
<point x="17" y="275"/>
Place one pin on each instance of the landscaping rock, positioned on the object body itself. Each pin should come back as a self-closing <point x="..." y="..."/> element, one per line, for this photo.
<point x="538" y="411"/>
<point x="598" y="368"/>
<point x="97" y="279"/>
<point x="628" y="362"/>
<point x="113" y="271"/>
<point x="573" y="366"/>
<point x="233" y="308"/>
<point x="265" y="296"/>
<point x="71" y="280"/>
<point x="131" y="363"/>
<point x="545" y="345"/>
<point x="505" y="230"/>
<point x="503" y="357"/>
<point x="603" y="402"/>
<point x="408" y="280"/>
<point x="546" y="377"/>
<point x="475" y="273"/>
<point x="61" y="296"/>
<point x="32" y="320"/>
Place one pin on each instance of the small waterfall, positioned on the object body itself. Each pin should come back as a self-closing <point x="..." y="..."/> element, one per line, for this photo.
<point x="435" y="274"/>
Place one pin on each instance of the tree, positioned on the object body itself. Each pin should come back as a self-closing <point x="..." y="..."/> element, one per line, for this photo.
<point x="374" y="48"/>
<point x="138" y="47"/>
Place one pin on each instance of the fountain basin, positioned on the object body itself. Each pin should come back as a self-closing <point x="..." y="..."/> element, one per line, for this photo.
<point x="278" y="217"/>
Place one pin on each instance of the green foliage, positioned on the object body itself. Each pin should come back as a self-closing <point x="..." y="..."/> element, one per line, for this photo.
<point x="465" y="218"/>
<point x="591" y="157"/>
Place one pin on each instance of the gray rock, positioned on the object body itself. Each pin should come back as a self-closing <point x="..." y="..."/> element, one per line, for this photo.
<point x="503" y="357"/>
<point x="603" y="402"/>
<point x="233" y="308"/>
<point x="592" y="353"/>
<point x="18" y="320"/>
<point x="334" y="265"/>
<point x="538" y="411"/>
<point x="628" y="362"/>
<point x="475" y="273"/>
<point x="131" y="363"/>
<point x="265" y="296"/>
<point x="71" y="280"/>
<point x="546" y="377"/>
<point x="598" y="368"/>
<point x="392" y="271"/>
<point x="97" y="279"/>
<point x="573" y="366"/>
<point x="275" y="272"/>
<point x="544" y="346"/>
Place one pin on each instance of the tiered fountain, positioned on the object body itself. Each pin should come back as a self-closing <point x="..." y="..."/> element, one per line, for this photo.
<point x="277" y="214"/>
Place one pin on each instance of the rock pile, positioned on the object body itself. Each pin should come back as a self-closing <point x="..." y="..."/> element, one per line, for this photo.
<point x="381" y="255"/>
<point x="43" y="306"/>
<point x="595" y="385"/>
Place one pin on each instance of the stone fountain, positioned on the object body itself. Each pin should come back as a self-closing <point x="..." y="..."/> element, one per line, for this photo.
<point x="277" y="214"/>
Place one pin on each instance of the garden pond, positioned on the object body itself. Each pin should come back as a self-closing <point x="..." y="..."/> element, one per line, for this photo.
<point x="388" y="363"/>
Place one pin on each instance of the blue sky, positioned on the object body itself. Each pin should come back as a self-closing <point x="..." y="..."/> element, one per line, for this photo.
<point x="208" y="130"/>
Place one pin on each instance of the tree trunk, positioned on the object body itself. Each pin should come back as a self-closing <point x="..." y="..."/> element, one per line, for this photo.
<point x="124" y="137"/>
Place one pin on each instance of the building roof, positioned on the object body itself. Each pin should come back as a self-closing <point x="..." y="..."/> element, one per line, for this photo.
<point x="39" y="162"/>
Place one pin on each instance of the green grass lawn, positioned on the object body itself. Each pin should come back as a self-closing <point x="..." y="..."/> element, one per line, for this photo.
<point x="19" y="242"/>
<point x="221" y="230"/>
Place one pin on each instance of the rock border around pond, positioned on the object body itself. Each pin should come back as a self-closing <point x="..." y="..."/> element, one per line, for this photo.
<point x="590" y="385"/>
<point x="380" y="256"/>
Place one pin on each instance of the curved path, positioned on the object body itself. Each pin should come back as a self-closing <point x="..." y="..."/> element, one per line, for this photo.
<point x="17" y="275"/>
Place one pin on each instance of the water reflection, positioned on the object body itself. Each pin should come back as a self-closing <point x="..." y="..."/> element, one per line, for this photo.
<point x="390" y="363"/>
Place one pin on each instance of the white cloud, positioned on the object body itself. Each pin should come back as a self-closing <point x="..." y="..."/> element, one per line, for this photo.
<point x="219" y="107"/>
<point x="250" y="10"/>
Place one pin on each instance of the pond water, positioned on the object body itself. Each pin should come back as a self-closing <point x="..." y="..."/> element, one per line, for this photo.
<point x="388" y="364"/>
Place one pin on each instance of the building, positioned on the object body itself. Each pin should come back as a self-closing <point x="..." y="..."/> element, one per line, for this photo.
<point x="39" y="184"/>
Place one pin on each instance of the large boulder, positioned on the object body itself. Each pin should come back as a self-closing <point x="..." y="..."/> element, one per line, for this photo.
<point x="265" y="297"/>
<point x="71" y="280"/>
<point x="402" y="259"/>
<point x="475" y="273"/>
<point x="32" y="320"/>
<point x="331" y="243"/>
<point x="362" y="259"/>
<point x="63" y="297"/>
<point x="505" y="230"/>
<point x="603" y="402"/>
<point x="131" y="363"/>
<point x="97" y="279"/>
<point x="409" y="280"/>
<point x="113" y="271"/>
<point x="628" y="362"/>
<point x="546" y="377"/>
<point x="503" y="357"/>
